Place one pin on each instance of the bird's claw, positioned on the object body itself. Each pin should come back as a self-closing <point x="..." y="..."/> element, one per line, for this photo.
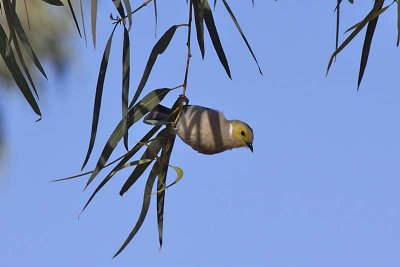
<point x="183" y="99"/>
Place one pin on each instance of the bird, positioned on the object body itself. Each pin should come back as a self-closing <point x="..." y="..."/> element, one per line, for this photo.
<point x="204" y="129"/>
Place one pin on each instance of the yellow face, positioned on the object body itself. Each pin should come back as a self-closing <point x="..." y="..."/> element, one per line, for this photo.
<point x="243" y="134"/>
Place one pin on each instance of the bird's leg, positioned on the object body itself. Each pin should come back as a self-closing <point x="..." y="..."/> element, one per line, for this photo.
<point x="184" y="101"/>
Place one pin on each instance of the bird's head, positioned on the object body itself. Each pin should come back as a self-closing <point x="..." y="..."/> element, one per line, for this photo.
<point x="242" y="134"/>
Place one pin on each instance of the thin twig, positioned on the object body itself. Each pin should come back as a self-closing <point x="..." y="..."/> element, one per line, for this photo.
<point x="189" y="55"/>
<point x="137" y="9"/>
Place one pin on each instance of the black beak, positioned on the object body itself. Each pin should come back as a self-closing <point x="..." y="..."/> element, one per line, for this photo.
<point x="250" y="145"/>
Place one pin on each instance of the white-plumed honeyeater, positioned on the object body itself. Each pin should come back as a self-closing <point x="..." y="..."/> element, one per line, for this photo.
<point x="206" y="130"/>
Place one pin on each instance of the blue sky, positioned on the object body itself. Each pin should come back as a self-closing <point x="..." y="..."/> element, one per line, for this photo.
<point x="320" y="189"/>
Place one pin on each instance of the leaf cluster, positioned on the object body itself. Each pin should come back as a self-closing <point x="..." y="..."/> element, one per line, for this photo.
<point x="159" y="141"/>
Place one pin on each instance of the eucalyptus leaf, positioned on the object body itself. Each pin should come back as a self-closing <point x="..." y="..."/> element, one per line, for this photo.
<point x="151" y="153"/>
<point x="145" y="206"/>
<point x="353" y="34"/>
<point x="150" y="101"/>
<point x="375" y="15"/>
<point x="126" y="69"/>
<point x="158" y="49"/>
<point x="119" y="7"/>
<point x="162" y="179"/>
<point x="74" y="17"/>
<point x="83" y="21"/>
<point x="22" y="36"/>
<point x="241" y="33"/>
<point x="367" y="43"/>
<point x="198" y="8"/>
<point x="212" y="30"/>
<point x="128" y="7"/>
<point x="12" y="66"/>
<point x="123" y="161"/>
<point x="54" y="2"/>
<point x="398" y="23"/>
<point x="94" y="20"/>
<point x="99" y="93"/>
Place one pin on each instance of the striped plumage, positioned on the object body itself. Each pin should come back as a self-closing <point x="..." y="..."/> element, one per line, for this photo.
<point x="207" y="130"/>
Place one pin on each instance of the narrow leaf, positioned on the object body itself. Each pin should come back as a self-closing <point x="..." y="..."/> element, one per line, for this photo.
<point x="54" y="2"/>
<point x="11" y="17"/>
<point x="22" y="36"/>
<point x="149" y="102"/>
<point x="241" y="33"/>
<point x="155" y="17"/>
<point x="353" y="34"/>
<point x="83" y="22"/>
<point x="398" y="23"/>
<point x="12" y="66"/>
<point x="212" y="30"/>
<point x="128" y="7"/>
<point x="375" y="15"/>
<point x="24" y="66"/>
<point x="158" y="49"/>
<point x="179" y="175"/>
<point x="74" y="17"/>
<point x="145" y="206"/>
<point x="119" y="7"/>
<point x="94" y="20"/>
<point x="198" y="8"/>
<point x="337" y="23"/>
<point x="99" y="93"/>
<point x="126" y="68"/>
<point x="124" y="160"/>
<point x="162" y="179"/>
<point x="150" y="153"/>
<point x="367" y="44"/>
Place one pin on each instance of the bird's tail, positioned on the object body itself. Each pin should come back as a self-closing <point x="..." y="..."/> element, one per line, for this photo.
<point x="158" y="116"/>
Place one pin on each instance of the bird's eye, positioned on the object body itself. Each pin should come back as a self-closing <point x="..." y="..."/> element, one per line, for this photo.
<point x="243" y="133"/>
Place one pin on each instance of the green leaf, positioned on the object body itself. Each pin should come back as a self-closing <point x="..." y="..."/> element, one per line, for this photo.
<point x="150" y="101"/>
<point x="54" y="2"/>
<point x="158" y="49"/>
<point x="212" y="30"/>
<point x="119" y="7"/>
<point x="353" y="34"/>
<point x="126" y="68"/>
<point x="198" y="8"/>
<point x="367" y="44"/>
<point x="398" y="23"/>
<point x="123" y="161"/>
<point x="24" y="67"/>
<point x="375" y="15"/>
<point x="74" y="17"/>
<point x="83" y="22"/>
<point x="337" y="23"/>
<point x="99" y="93"/>
<point x="241" y="33"/>
<point x="338" y="4"/>
<point x="145" y="206"/>
<point x="22" y="36"/>
<point x="11" y="20"/>
<point x="15" y="71"/>
<point x="155" y="16"/>
<point x="179" y="175"/>
<point x="150" y="153"/>
<point x="94" y="20"/>
<point x="128" y="7"/>
<point x="162" y="179"/>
